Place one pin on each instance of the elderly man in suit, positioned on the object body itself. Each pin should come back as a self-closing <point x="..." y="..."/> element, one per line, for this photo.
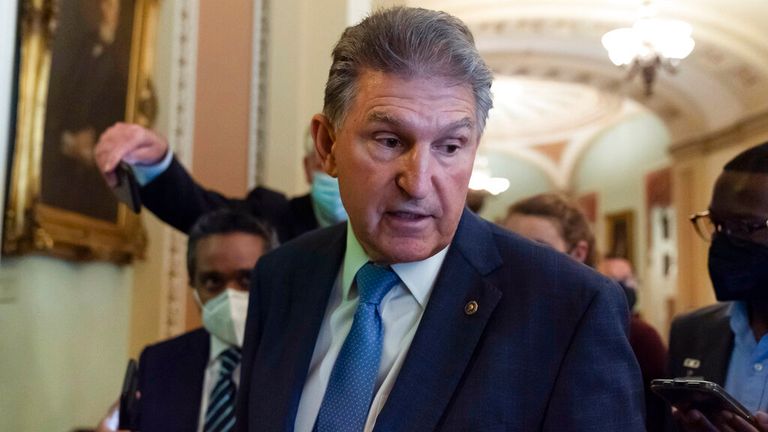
<point x="417" y="315"/>
<point x="728" y="342"/>
<point x="189" y="383"/>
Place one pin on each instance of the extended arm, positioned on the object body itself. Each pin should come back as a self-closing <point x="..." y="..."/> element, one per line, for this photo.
<point x="172" y="194"/>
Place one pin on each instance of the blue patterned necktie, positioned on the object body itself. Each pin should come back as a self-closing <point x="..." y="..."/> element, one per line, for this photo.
<point x="220" y="414"/>
<point x="349" y="393"/>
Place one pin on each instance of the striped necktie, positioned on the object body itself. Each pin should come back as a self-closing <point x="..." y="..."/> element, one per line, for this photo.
<point x="349" y="393"/>
<point x="220" y="414"/>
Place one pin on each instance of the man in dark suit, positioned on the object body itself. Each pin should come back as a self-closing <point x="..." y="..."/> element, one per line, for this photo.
<point x="172" y="194"/>
<point x="187" y="383"/>
<point x="728" y="343"/>
<point x="417" y="315"/>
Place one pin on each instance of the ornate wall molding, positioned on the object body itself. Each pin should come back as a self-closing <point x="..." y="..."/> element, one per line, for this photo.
<point x="751" y="128"/>
<point x="256" y="123"/>
<point x="181" y="139"/>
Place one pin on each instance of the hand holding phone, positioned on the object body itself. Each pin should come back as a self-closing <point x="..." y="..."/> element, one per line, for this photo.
<point x="707" y="397"/>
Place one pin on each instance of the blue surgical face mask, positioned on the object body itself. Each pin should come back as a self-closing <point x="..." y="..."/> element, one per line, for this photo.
<point x="326" y="200"/>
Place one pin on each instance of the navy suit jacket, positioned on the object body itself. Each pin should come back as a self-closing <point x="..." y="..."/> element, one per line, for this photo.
<point x="171" y="382"/>
<point x="546" y="350"/>
<point x="179" y="201"/>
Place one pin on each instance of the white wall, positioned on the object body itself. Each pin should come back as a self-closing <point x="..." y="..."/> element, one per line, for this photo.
<point x="302" y="34"/>
<point x="64" y="340"/>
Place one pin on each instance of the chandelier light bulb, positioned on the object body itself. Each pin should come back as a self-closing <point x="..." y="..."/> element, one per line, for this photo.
<point x="650" y="43"/>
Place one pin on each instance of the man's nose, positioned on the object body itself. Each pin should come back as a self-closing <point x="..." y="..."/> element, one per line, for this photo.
<point x="415" y="178"/>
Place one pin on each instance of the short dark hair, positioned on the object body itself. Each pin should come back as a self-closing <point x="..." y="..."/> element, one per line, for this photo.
<point x="226" y="221"/>
<point x="411" y="43"/>
<point x="570" y="219"/>
<point x="753" y="160"/>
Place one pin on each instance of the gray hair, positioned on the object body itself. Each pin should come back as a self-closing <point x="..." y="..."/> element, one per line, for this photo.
<point x="408" y="42"/>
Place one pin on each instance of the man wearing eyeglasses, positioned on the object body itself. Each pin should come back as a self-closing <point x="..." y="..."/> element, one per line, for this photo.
<point x="728" y="343"/>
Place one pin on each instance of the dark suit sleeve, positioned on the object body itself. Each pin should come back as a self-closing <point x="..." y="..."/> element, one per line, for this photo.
<point x="178" y="200"/>
<point x="598" y="385"/>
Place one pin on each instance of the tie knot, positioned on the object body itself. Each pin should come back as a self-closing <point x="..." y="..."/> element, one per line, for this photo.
<point x="373" y="282"/>
<point x="229" y="360"/>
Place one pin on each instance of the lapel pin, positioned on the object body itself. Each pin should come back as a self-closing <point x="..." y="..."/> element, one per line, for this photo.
<point x="691" y="363"/>
<point x="470" y="308"/>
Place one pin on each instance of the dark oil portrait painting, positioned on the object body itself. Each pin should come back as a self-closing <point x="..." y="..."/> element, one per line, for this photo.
<point x="90" y="68"/>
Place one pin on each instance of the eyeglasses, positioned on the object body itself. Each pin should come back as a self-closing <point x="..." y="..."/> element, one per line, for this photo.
<point x="706" y="227"/>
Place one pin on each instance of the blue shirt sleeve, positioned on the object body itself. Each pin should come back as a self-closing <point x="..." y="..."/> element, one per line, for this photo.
<point x="146" y="173"/>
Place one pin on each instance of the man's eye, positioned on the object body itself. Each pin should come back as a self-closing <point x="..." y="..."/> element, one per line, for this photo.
<point x="212" y="282"/>
<point x="389" y="142"/>
<point x="448" y="148"/>
<point x="244" y="279"/>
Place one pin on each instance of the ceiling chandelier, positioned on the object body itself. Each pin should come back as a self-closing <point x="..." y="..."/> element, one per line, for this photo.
<point x="651" y="44"/>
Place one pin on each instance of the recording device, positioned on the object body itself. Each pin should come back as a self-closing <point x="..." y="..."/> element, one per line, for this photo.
<point x="127" y="188"/>
<point x="705" y="396"/>
<point x="129" y="401"/>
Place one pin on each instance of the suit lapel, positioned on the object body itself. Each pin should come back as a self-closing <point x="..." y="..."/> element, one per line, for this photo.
<point x="191" y="371"/>
<point x="448" y="332"/>
<point x="282" y="372"/>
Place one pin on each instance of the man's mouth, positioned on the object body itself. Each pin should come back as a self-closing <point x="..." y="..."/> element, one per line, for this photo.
<point x="407" y="215"/>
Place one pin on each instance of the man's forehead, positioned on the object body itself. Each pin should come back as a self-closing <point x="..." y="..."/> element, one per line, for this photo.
<point x="392" y="118"/>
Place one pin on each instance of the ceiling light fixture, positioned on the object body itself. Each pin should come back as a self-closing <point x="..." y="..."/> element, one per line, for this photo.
<point x="649" y="45"/>
<point x="481" y="179"/>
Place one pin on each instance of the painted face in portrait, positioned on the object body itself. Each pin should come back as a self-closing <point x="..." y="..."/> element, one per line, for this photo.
<point x="403" y="157"/>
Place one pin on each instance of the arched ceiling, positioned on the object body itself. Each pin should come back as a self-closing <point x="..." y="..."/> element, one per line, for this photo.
<point x="555" y="81"/>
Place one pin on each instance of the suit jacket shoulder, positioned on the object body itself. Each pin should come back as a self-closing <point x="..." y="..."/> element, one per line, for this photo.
<point x="700" y="343"/>
<point x="171" y="377"/>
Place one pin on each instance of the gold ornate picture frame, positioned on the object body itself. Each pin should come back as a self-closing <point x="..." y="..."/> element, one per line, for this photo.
<point x="84" y="64"/>
<point x="620" y="235"/>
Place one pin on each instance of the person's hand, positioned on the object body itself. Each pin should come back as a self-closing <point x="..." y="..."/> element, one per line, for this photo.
<point x="725" y="421"/>
<point x="131" y="143"/>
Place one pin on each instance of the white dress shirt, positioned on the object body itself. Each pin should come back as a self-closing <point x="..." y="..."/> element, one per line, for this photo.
<point x="401" y="310"/>
<point x="218" y="346"/>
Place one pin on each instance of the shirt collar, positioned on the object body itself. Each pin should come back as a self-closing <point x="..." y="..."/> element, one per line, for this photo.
<point x="218" y="346"/>
<point x="740" y="323"/>
<point x="418" y="276"/>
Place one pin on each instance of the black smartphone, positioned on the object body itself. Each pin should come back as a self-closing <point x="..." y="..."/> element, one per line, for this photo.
<point x="129" y="401"/>
<point x="705" y="396"/>
<point x="127" y="188"/>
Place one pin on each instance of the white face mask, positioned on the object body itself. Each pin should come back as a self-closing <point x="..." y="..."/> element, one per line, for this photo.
<point x="224" y="315"/>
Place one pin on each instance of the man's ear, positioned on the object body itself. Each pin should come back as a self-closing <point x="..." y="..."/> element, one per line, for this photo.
<point x="580" y="252"/>
<point x="325" y="138"/>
